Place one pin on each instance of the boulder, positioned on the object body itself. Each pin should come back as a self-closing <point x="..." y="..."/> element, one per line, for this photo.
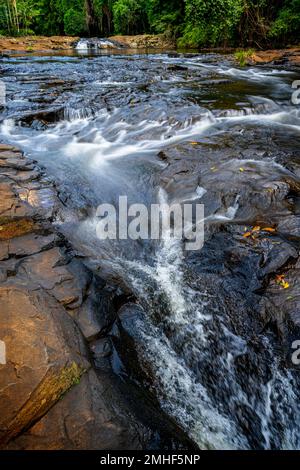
<point x="84" y="419"/>
<point x="44" y="357"/>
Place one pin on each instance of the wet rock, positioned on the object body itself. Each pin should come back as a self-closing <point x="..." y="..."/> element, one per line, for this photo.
<point x="49" y="301"/>
<point x="45" y="353"/>
<point x="8" y="148"/>
<point x="43" y="357"/>
<point x="162" y="156"/>
<point x="278" y="255"/>
<point x="50" y="270"/>
<point x="16" y="228"/>
<point x="20" y="164"/>
<point x="84" y="420"/>
<point x="88" y="320"/>
<point x="177" y="67"/>
<point x="40" y="119"/>
<point x="127" y="338"/>
<point x="97" y="313"/>
<point x="101" y="350"/>
<point x="30" y="244"/>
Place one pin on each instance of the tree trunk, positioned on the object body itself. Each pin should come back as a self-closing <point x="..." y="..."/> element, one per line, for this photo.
<point x="91" y="21"/>
<point x="107" y="23"/>
<point x="16" y="16"/>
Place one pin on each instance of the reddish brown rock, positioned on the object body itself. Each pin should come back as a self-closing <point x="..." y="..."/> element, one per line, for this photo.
<point x="145" y="41"/>
<point x="84" y="419"/>
<point x="291" y="55"/>
<point x="36" y="43"/>
<point x="43" y="357"/>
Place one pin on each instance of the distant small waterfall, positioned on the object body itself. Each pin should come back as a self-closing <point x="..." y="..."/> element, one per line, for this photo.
<point x="93" y="44"/>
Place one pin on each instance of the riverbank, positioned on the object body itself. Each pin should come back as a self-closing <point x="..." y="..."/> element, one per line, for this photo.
<point x="64" y="43"/>
<point x="44" y="44"/>
<point x="277" y="56"/>
<point x="36" y="43"/>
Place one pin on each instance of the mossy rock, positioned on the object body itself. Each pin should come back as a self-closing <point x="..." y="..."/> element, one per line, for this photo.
<point x="15" y="228"/>
<point x="53" y="387"/>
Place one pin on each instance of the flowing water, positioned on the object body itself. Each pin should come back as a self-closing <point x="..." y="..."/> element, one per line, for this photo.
<point x="177" y="128"/>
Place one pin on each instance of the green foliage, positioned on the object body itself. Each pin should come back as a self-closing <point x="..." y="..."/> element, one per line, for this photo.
<point x="287" y="23"/>
<point x="242" y="56"/>
<point x="129" y="16"/>
<point x="165" y="16"/>
<point x="211" y="22"/>
<point x="74" y="23"/>
<point x="197" y="23"/>
<point x="17" y="16"/>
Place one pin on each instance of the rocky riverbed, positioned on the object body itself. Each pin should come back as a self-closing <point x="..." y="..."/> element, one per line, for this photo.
<point x="176" y="343"/>
<point x="57" y="387"/>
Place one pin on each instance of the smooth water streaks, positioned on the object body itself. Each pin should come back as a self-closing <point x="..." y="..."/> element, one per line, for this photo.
<point x="99" y="151"/>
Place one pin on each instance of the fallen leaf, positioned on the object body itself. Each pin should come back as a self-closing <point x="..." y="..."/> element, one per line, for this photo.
<point x="280" y="280"/>
<point x="256" y="229"/>
<point x="269" y="229"/>
<point x="242" y="169"/>
<point x="194" y="143"/>
<point x="247" y="234"/>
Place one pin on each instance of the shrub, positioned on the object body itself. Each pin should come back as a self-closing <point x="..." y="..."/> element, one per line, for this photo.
<point x="287" y="23"/>
<point x="211" y="22"/>
<point x="242" y="56"/>
<point x="74" y="22"/>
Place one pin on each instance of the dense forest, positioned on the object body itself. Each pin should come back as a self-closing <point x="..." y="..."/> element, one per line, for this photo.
<point x="257" y="23"/>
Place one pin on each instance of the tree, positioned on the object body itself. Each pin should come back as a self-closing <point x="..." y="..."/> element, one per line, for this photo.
<point x="287" y="23"/>
<point x="166" y="16"/>
<point x="258" y="23"/>
<point x="74" y="24"/>
<point x="129" y="16"/>
<point x="211" y="22"/>
<point x="91" y="20"/>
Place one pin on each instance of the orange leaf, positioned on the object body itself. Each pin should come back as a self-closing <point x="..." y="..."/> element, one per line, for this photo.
<point x="256" y="229"/>
<point x="247" y="234"/>
<point x="269" y="229"/>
